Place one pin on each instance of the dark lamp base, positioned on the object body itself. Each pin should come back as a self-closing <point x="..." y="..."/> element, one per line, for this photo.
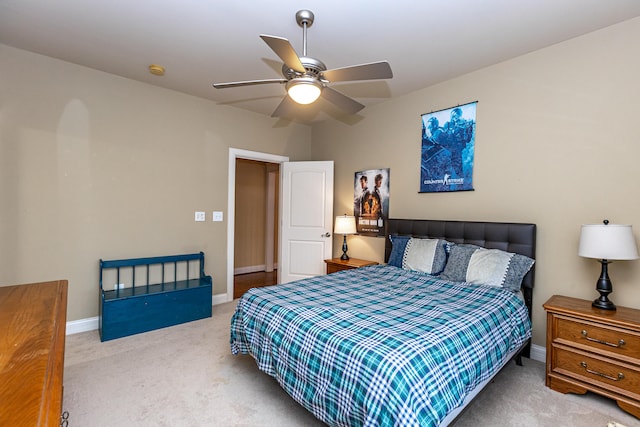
<point x="603" y="303"/>
<point x="344" y="256"/>
<point x="604" y="287"/>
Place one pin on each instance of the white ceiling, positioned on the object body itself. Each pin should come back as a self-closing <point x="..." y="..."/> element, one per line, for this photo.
<point x="199" y="43"/>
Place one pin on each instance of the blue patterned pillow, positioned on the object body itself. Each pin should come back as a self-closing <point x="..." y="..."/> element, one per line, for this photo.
<point x="399" y="243"/>
<point x="473" y="264"/>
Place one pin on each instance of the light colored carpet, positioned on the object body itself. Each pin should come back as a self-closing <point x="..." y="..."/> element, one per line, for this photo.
<point x="186" y="376"/>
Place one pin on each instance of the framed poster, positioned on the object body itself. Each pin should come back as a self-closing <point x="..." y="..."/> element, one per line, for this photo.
<point x="371" y="201"/>
<point x="448" y="140"/>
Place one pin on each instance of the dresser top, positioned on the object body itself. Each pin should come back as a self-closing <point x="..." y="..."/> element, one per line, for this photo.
<point x="622" y="316"/>
<point x="32" y="327"/>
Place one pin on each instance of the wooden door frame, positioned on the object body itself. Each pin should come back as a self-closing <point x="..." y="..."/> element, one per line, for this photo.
<point x="235" y="153"/>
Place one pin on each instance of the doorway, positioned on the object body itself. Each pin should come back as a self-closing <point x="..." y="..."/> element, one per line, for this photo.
<point x="256" y="224"/>
<point x="234" y="155"/>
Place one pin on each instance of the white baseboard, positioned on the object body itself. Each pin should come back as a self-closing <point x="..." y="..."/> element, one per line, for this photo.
<point x="82" y="325"/>
<point x="252" y="269"/>
<point x="538" y="353"/>
<point x="91" y="323"/>
<point x="219" y="299"/>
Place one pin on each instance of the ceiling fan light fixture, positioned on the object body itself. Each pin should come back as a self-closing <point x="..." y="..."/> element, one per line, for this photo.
<point x="304" y="90"/>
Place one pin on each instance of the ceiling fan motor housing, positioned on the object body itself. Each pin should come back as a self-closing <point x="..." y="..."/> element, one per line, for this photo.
<point x="313" y="67"/>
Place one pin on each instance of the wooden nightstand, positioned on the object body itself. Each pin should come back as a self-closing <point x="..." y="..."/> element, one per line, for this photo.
<point x="336" y="264"/>
<point x="595" y="350"/>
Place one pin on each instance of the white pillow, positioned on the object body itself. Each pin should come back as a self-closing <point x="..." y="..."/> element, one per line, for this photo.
<point x="424" y="255"/>
<point x="473" y="264"/>
<point x="488" y="266"/>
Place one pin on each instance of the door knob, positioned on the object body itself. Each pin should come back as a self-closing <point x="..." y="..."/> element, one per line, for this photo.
<point x="327" y="234"/>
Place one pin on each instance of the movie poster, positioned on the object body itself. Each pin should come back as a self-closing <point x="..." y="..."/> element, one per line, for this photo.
<point x="448" y="139"/>
<point x="371" y="201"/>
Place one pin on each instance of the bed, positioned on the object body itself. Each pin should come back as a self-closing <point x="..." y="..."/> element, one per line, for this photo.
<point x="405" y="343"/>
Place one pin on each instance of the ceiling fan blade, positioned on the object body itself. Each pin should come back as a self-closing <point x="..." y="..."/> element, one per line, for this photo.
<point x="286" y="108"/>
<point x="341" y="101"/>
<point x="372" y="71"/>
<point x="285" y="51"/>
<point x="248" y="83"/>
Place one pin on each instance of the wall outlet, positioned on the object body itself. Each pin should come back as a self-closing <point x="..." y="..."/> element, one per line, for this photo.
<point x="118" y="286"/>
<point x="217" y="216"/>
<point x="200" y="216"/>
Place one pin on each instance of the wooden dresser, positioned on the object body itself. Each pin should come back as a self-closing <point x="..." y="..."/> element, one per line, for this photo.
<point x="33" y="320"/>
<point x="595" y="350"/>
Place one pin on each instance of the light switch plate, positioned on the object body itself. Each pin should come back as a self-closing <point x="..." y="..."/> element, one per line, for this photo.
<point x="217" y="216"/>
<point x="200" y="216"/>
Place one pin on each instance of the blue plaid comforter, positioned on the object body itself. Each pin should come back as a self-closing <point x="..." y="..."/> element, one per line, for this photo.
<point x="379" y="346"/>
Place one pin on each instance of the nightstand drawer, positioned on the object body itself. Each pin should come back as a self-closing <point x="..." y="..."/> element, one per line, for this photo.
<point x="336" y="264"/>
<point x="332" y="268"/>
<point x="598" y="336"/>
<point x="616" y="377"/>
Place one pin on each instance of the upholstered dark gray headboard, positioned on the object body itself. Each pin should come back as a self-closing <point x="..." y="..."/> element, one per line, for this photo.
<point x="512" y="237"/>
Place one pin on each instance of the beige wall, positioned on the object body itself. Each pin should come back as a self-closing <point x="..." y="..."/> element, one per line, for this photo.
<point x="251" y="216"/>
<point x="557" y="144"/>
<point x="251" y="183"/>
<point x="93" y="165"/>
<point x="97" y="166"/>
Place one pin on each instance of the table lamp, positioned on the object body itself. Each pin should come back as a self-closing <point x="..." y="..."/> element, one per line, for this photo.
<point x="345" y="224"/>
<point x="607" y="242"/>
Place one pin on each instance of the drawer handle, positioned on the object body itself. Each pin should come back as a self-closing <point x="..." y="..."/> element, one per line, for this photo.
<point x="620" y="342"/>
<point x="600" y="374"/>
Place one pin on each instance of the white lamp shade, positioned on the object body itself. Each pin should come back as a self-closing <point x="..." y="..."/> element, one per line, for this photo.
<point x="345" y="224"/>
<point x="611" y="242"/>
<point x="304" y="90"/>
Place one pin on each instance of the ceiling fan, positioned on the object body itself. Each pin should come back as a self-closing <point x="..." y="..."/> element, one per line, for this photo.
<point x="307" y="78"/>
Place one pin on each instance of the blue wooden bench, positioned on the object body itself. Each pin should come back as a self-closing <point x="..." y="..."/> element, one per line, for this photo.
<point x="142" y="294"/>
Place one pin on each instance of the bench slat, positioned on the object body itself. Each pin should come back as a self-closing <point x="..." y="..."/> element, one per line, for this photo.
<point x="151" y="260"/>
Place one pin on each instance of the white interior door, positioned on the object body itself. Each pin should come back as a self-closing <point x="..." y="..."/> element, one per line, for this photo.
<point x="306" y="219"/>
